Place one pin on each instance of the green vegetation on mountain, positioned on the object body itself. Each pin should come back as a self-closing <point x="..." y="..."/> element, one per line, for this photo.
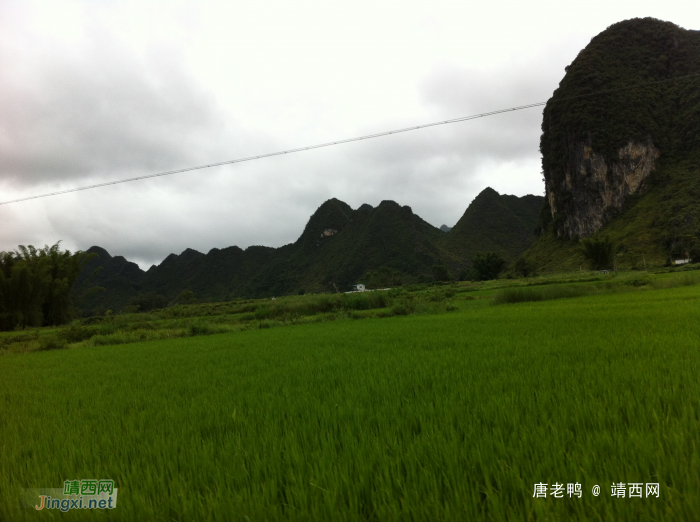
<point x="645" y="52"/>
<point x="119" y="278"/>
<point x="383" y="246"/>
<point x="494" y="222"/>
<point x="595" y="144"/>
<point x="385" y="277"/>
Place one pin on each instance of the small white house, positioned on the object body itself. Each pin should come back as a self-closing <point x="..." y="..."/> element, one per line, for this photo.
<point x="358" y="288"/>
<point x="681" y="261"/>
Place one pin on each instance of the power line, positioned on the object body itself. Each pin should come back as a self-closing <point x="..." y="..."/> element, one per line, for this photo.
<point x="279" y="153"/>
<point x="338" y="142"/>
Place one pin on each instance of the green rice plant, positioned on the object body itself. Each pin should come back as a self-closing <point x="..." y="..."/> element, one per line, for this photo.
<point x="686" y="279"/>
<point x="426" y="417"/>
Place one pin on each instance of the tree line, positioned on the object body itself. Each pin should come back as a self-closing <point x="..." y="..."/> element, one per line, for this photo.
<point x="36" y="286"/>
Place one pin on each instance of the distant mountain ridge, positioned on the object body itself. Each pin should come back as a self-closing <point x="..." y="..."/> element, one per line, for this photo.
<point x="337" y="248"/>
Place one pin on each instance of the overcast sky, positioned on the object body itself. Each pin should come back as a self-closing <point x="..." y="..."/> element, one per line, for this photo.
<point x="96" y="91"/>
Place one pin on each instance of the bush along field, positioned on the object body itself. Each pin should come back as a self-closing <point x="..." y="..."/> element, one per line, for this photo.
<point x="440" y="297"/>
<point x="213" y="318"/>
<point x="465" y="415"/>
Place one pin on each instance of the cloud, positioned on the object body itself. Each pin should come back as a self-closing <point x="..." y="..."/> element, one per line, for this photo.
<point x="71" y="112"/>
<point x="529" y="78"/>
<point x="111" y="113"/>
<point x="92" y="92"/>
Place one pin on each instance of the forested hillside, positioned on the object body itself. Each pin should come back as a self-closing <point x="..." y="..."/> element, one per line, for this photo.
<point x="621" y="147"/>
<point x="337" y="249"/>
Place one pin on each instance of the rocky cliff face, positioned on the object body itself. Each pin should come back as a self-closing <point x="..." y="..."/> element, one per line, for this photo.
<point x="593" y="189"/>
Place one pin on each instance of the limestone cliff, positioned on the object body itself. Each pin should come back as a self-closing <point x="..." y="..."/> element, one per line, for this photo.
<point x="594" y="189"/>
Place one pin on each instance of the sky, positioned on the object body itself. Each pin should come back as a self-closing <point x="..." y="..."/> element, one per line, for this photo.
<point x="95" y="91"/>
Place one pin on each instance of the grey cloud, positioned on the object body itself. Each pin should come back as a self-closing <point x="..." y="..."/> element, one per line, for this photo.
<point x="455" y="91"/>
<point x="450" y="92"/>
<point x="440" y="169"/>
<point x="105" y="111"/>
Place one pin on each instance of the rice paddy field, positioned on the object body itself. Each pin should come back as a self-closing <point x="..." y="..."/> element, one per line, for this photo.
<point x="441" y="416"/>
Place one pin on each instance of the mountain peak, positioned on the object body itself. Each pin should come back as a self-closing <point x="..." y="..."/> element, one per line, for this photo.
<point x="495" y="222"/>
<point x="329" y="219"/>
<point x="102" y="254"/>
<point x="338" y="247"/>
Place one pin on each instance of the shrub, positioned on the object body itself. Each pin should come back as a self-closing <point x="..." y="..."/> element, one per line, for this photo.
<point x="263" y="312"/>
<point x="599" y="252"/>
<point x="199" y="329"/>
<point x="695" y="254"/>
<point x="52" y="342"/>
<point x="365" y="300"/>
<point x="639" y="282"/>
<point x="487" y="266"/>
<point x="186" y="297"/>
<point x="146" y="302"/>
<point x="672" y="282"/>
<point x="121" y="337"/>
<point x="383" y="278"/>
<point x="400" y="309"/>
<point x="76" y="333"/>
<point x="440" y="273"/>
<point x="524" y="267"/>
<point x="521" y="295"/>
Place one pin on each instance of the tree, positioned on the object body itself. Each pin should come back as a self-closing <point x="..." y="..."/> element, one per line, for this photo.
<point x="524" y="267"/>
<point x="36" y="285"/>
<point x="487" y="266"/>
<point x="385" y="277"/>
<point x="440" y="273"/>
<point x="186" y="297"/>
<point x="145" y="302"/>
<point x="599" y="252"/>
<point x="695" y="254"/>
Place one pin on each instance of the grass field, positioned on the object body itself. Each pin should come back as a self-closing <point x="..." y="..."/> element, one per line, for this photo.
<point x="454" y="416"/>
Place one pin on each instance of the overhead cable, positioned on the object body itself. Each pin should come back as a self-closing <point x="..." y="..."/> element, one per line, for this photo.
<point x="337" y="142"/>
